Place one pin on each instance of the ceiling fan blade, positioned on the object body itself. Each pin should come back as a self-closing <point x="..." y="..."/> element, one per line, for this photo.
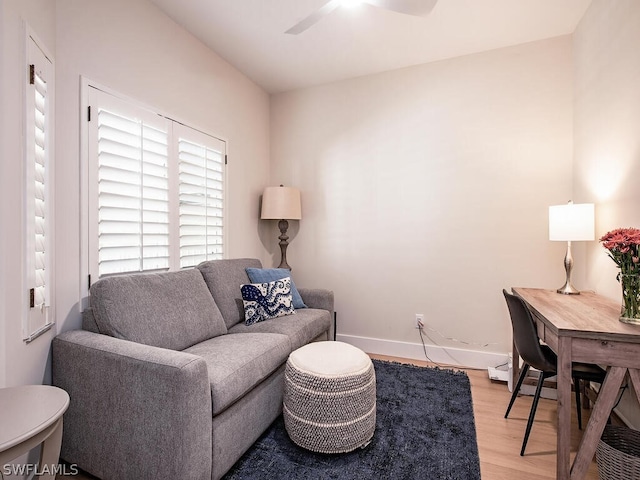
<point x="410" y="7"/>
<point x="305" y="23"/>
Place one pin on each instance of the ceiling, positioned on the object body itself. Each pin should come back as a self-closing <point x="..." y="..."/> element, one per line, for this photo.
<point x="350" y="42"/>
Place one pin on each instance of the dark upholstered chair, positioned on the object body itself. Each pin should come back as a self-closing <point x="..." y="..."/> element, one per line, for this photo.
<point x="542" y="358"/>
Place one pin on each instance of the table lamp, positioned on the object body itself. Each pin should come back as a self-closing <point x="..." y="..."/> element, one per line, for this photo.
<point x="571" y="223"/>
<point x="283" y="204"/>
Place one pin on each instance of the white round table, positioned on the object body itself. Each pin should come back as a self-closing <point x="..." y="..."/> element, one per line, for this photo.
<point x="31" y="415"/>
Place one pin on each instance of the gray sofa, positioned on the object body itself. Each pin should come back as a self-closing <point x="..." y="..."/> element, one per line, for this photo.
<point x="165" y="379"/>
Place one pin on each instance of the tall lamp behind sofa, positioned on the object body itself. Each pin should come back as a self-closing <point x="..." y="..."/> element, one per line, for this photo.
<point x="283" y="204"/>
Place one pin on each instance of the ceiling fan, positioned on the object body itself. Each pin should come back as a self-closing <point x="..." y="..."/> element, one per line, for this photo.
<point x="410" y="7"/>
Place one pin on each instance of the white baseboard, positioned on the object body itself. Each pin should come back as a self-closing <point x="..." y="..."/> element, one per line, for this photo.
<point x="414" y="351"/>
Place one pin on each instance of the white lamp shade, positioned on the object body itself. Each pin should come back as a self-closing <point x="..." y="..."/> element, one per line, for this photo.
<point x="571" y="222"/>
<point x="281" y="203"/>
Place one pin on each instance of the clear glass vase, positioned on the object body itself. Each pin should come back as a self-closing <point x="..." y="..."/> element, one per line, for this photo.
<point x="630" y="312"/>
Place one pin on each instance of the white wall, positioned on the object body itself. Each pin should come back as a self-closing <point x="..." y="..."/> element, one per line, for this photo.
<point x="425" y="190"/>
<point x="133" y="48"/>
<point x="607" y="138"/>
<point x="19" y="363"/>
<point x="3" y="213"/>
<point x="607" y="125"/>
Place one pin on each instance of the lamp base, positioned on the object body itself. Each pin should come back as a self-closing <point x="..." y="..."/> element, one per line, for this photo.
<point x="283" y="225"/>
<point x="284" y="264"/>
<point x="568" y="289"/>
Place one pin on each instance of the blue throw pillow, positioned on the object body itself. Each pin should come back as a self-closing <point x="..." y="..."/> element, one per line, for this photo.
<point x="263" y="301"/>
<point x="263" y="275"/>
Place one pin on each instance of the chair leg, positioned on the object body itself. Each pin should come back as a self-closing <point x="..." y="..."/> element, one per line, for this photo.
<point x="576" y="387"/>
<point x="532" y="414"/>
<point x="516" y="390"/>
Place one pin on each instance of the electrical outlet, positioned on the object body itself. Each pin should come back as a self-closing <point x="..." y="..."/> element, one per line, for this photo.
<point x="419" y="321"/>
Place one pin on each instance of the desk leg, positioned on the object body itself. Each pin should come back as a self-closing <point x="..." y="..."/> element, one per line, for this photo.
<point x="601" y="410"/>
<point x="564" y="408"/>
<point x="50" y="453"/>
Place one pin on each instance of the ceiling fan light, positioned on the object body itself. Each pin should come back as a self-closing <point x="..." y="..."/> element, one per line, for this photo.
<point x="409" y="7"/>
<point x="350" y="3"/>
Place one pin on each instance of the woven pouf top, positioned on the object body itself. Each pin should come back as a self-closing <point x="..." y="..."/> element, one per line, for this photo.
<point x="330" y="397"/>
<point x="330" y="359"/>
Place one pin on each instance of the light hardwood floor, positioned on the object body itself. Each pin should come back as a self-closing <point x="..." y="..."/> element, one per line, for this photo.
<point x="500" y="439"/>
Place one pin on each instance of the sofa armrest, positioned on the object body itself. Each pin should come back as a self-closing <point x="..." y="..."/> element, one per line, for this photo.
<point x="319" y="298"/>
<point x="136" y="411"/>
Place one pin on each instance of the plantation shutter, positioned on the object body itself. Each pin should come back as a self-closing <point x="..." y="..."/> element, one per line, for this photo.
<point x="133" y="195"/>
<point x="38" y="166"/>
<point x="201" y="161"/>
<point x="40" y="294"/>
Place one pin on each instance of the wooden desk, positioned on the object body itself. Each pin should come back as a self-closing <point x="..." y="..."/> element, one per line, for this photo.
<point x="30" y="415"/>
<point x="584" y="328"/>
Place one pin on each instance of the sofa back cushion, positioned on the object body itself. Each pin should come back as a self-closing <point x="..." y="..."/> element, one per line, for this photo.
<point x="169" y="310"/>
<point x="224" y="278"/>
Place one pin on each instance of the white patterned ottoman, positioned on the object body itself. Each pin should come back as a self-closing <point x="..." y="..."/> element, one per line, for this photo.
<point x="330" y="397"/>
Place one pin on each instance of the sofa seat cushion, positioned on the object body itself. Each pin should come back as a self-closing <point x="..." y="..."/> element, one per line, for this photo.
<point x="237" y="363"/>
<point x="301" y="328"/>
<point x="224" y="277"/>
<point x="171" y="310"/>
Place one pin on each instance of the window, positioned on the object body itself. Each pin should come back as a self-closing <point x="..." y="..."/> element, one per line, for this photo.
<point x="38" y="167"/>
<point x="156" y="190"/>
<point x="201" y="193"/>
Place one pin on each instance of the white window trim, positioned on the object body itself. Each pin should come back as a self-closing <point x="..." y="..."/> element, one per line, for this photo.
<point x="86" y="84"/>
<point x="47" y="321"/>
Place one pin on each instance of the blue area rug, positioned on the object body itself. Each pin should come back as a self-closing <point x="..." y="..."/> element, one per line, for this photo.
<point x="424" y="430"/>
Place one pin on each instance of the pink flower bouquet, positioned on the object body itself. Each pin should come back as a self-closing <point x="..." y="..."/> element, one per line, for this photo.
<point x="623" y="246"/>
